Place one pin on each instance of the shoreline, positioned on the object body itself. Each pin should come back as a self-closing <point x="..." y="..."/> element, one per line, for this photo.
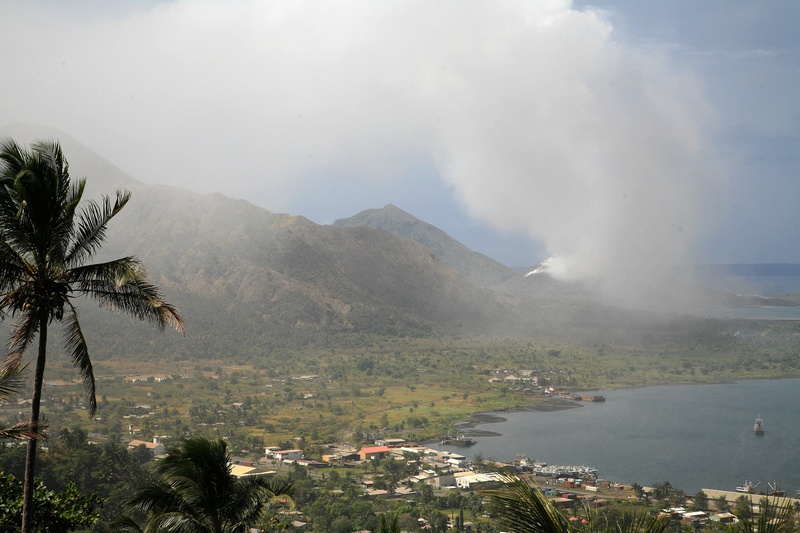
<point x="558" y="404"/>
<point x="467" y="427"/>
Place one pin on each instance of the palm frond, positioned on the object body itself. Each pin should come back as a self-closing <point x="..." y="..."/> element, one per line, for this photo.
<point x="126" y="524"/>
<point x="525" y="509"/>
<point x="75" y="343"/>
<point x="155" y="497"/>
<point x="13" y="268"/>
<point x="23" y="430"/>
<point x="91" y="227"/>
<point x="23" y="332"/>
<point x="13" y="156"/>
<point x="196" y="491"/>
<point x="10" y="373"/>
<point x="10" y="383"/>
<point x="122" y="285"/>
<point x="776" y="515"/>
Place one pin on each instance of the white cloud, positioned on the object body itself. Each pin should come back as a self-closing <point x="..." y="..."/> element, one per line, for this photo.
<point x="531" y="110"/>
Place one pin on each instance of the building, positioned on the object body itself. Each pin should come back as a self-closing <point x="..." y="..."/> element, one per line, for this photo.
<point x="473" y="481"/>
<point x="724" y="518"/>
<point x="341" y="457"/>
<point x="287" y="455"/>
<point x="155" y="447"/>
<point x="373" y="452"/>
<point x="442" y="481"/>
<point x="392" y="443"/>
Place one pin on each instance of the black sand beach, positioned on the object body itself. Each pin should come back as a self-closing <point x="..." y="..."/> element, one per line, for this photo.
<point x="468" y="427"/>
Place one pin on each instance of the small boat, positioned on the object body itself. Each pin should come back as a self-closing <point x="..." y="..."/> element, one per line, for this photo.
<point x="758" y="429"/>
<point x="460" y="440"/>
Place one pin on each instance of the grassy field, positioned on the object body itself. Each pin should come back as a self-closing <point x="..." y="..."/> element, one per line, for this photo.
<point x="417" y="388"/>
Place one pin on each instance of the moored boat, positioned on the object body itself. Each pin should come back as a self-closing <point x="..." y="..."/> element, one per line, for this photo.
<point x="747" y="488"/>
<point x="460" y="440"/>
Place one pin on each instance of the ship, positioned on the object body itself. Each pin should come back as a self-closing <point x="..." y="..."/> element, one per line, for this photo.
<point x="460" y="440"/>
<point x="758" y="428"/>
<point x="589" y="398"/>
<point x="773" y="490"/>
<point x="748" y="487"/>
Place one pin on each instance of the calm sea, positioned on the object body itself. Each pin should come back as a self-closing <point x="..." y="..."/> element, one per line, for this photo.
<point x="694" y="436"/>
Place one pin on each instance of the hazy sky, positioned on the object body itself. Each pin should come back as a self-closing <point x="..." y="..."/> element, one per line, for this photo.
<point x="615" y="136"/>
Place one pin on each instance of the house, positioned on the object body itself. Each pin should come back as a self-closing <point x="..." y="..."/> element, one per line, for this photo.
<point x="373" y="452"/>
<point x="269" y="450"/>
<point x="155" y="447"/>
<point x="723" y="518"/>
<point x="287" y="455"/>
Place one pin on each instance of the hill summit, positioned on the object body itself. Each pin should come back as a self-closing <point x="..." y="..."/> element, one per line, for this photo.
<point x="476" y="267"/>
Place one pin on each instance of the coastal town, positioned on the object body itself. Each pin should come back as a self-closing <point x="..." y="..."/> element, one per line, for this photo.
<point x="393" y="469"/>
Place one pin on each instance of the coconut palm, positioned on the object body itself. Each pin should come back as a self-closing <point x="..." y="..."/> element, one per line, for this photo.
<point x="46" y="238"/>
<point x="196" y="492"/>
<point x="525" y="509"/>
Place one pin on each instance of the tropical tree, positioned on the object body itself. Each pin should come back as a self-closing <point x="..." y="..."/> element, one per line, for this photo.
<point x="775" y="515"/>
<point x="522" y="508"/>
<point x="196" y="491"/>
<point x="699" y="502"/>
<point x="63" y="510"/>
<point x="525" y="509"/>
<point x="46" y="238"/>
<point x="743" y="507"/>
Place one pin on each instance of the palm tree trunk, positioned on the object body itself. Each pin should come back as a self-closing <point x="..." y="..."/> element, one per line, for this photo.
<point x="30" y="456"/>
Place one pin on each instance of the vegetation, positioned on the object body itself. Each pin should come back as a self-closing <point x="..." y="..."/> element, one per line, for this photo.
<point x="333" y="500"/>
<point x="54" y="511"/>
<point x="261" y="376"/>
<point x="415" y="387"/>
<point x="9" y="384"/>
<point x="46" y="237"/>
<point x="522" y="508"/>
<point x="196" y="491"/>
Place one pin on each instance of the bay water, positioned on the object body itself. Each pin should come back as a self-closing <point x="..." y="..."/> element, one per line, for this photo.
<point x="694" y="436"/>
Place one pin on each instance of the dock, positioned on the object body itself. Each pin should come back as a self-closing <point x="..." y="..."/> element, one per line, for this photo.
<point x="732" y="495"/>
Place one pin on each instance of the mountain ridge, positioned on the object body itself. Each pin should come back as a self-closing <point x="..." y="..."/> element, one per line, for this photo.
<point x="252" y="282"/>
<point x="476" y="267"/>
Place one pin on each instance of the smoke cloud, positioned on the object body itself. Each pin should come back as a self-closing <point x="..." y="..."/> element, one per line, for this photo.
<point x="530" y="110"/>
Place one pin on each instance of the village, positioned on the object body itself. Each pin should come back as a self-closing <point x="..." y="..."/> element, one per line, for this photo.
<point x="572" y="489"/>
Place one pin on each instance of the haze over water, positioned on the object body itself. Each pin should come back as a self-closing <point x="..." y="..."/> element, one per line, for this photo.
<point x="694" y="436"/>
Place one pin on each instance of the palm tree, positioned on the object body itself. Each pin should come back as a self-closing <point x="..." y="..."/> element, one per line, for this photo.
<point x="525" y="509"/>
<point x="47" y="238"/>
<point x="197" y="492"/>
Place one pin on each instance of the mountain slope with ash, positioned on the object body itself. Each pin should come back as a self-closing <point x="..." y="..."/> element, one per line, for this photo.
<point x="476" y="267"/>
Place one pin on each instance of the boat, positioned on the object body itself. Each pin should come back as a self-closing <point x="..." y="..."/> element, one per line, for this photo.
<point x="773" y="490"/>
<point x="748" y="487"/>
<point x="758" y="428"/>
<point x="460" y="440"/>
<point x="589" y="398"/>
